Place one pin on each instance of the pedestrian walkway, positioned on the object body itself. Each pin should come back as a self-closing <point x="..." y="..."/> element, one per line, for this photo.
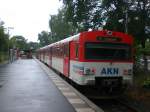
<point x="25" y="87"/>
<point x="30" y="86"/>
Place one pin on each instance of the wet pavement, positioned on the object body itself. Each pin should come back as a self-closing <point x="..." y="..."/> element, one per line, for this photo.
<point x="25" y="87"/>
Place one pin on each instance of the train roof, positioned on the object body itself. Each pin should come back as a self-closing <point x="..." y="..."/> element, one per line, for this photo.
<point x="76" y="37"/>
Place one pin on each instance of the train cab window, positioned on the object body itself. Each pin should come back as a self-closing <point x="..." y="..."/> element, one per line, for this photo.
<point x="107" y="51"/>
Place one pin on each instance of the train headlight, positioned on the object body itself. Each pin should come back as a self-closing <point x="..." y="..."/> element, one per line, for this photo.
<point x="127" y="72"/>
<point x="89" y="71"/>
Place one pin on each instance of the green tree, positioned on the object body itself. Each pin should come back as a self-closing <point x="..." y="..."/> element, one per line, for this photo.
<point x="114" y="10"/>
<point x="136" y="19"/>
<point x="3" y="38"/>
<point x="33" y="45"/>
<point x="18" y="42"/>
<point x="84" y="14"/>
<point x="44" y="38"/>
<point x="142" y="26"/>
<point x="60" y="27"/>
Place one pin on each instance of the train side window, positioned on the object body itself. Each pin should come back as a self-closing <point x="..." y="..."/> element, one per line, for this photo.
<point x="76" y="50"/>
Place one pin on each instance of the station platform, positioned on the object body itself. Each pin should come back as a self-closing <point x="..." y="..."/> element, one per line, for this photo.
<point x="29" y="86"/>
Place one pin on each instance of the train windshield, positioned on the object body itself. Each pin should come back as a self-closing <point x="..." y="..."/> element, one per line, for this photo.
<point x="107" y="51"/>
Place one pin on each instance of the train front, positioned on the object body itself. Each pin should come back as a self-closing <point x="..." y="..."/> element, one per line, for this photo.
<point x="107" y="59"/>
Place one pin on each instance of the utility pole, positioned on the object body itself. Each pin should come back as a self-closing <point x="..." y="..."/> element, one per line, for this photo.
<point x="126" y="20"/>
<point x="9" y="28"/>
<point x="126" y="2"/>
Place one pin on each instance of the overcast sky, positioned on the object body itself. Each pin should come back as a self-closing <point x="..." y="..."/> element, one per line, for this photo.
<point x="28" y="17"/>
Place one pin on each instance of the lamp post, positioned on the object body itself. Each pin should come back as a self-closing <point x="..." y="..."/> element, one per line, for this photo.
<point x="10" y="56"/>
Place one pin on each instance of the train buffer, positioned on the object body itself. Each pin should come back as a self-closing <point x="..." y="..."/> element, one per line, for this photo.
<point x="29" y="86"/>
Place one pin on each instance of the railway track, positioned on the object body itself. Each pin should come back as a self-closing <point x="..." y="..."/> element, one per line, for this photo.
<point x="113" y="105"/>
<point x="108" y="104"/>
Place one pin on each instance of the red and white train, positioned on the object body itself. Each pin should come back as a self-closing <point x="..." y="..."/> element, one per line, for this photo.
<point x="103" y="58"/>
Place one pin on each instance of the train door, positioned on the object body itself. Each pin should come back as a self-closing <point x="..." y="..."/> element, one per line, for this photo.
<point x="66" y="59"/>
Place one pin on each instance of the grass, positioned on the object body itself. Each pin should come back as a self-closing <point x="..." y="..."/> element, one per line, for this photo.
<point x="141" y="78"/>
<point x="138" y="91"/>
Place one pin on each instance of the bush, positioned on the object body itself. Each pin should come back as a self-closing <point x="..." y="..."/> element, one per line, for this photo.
<point x="146" y="83"/>
<point x="3" y="56"/>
